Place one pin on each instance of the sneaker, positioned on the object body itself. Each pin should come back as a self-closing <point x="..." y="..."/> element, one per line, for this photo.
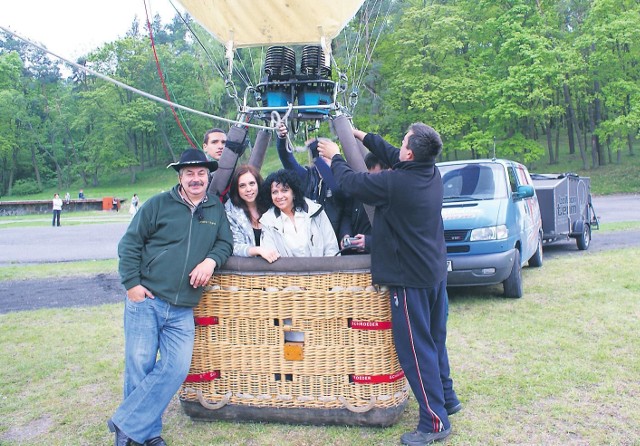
<point x="417" y="438"/>
<point x="454" y="407"/>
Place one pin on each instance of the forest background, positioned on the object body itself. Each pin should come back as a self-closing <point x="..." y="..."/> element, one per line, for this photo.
<point x="539" y="81"/>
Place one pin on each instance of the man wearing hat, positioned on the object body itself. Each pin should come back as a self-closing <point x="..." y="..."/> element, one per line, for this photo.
<point x="168" y="253"/>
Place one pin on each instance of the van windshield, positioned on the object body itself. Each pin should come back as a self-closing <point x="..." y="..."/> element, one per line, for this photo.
<point x="473" y="181"/>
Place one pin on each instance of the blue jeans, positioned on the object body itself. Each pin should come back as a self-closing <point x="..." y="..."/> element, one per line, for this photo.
<point x="150" y="381"/>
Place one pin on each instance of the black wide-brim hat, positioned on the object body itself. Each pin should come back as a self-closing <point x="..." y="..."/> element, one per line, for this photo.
<point x="194" y="158"/>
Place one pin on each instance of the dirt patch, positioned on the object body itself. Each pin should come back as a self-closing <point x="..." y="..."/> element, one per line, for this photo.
<point x="77" y="291"/>
<point x="35" y="428"/>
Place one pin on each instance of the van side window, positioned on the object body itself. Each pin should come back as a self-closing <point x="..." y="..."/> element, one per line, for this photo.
<point x="523" y="179"/>
<point x="512" y="180"/>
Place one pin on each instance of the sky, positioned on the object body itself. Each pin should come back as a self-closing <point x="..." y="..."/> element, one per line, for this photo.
<point x="72" y="28"/>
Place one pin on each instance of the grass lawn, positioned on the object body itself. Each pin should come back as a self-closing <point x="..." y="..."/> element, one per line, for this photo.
<point x="557" y="367"/>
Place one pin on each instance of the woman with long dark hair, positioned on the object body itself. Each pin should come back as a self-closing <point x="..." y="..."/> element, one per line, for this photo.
<point x="244" y="212"/>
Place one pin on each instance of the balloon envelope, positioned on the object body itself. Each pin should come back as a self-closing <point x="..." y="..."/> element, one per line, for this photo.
<point x="246" y="23"/>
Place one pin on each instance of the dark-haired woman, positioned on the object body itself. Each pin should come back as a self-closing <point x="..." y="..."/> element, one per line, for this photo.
<point x="294" y="225"/>
<point x="243" y="213"/>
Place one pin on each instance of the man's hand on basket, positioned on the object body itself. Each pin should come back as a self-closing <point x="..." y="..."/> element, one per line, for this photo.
<point x="202" y="273"/>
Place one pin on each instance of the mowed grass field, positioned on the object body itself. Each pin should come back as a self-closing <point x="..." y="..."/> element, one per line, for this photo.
<point x="556" y="367"/>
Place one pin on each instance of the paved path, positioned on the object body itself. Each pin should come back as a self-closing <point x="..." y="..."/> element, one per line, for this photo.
<point x="41" y="244"/>
<point x="617" y="208"/>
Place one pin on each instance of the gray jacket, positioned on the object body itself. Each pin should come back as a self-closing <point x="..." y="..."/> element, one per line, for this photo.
<point x="243" y="235"/>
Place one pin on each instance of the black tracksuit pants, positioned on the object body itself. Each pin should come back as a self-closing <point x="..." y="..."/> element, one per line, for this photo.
<point x="419" y="320"/>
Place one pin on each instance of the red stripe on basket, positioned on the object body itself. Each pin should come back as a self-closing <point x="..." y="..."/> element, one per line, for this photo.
<point x="371" y="325"/>
<point x="206" y="320"/>
<point x="202" y="377"/>
<point x="377" y="379"/>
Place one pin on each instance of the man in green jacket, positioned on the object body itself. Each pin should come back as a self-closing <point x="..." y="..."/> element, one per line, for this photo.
<point x="168" y="253"/>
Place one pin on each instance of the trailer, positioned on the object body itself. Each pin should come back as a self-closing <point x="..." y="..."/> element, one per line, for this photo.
<point x="566" y="208"/>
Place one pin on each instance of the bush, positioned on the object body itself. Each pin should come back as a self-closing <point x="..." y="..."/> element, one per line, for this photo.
<point x="25" y="187"/>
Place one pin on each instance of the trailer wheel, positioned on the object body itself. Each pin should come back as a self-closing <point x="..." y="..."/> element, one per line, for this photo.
<point x="513" y="284"/>
<point x="584" y="239"/>
<point x="537" y="258"/>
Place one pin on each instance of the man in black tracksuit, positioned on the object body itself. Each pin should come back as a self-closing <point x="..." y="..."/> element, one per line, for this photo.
<point x="409" y="256"/>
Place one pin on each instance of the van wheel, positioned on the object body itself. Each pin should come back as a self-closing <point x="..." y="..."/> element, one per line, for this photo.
<point x="513" y="284"/>
<point x="537" y="258"/>
<point x="584" y="239"/>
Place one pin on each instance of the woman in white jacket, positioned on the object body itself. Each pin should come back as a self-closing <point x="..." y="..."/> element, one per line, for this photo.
<point x="294" y="225"/>
<point x="244" y="214"/>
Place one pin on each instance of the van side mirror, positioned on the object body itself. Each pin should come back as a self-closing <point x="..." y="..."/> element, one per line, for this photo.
<point x="523" y="192"/>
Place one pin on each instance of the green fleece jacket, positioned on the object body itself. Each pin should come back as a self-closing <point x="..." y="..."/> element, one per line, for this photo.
<point x="165" y="241"/>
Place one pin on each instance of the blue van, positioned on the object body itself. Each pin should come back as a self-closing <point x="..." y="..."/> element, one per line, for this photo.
<point x="492" y="223"/>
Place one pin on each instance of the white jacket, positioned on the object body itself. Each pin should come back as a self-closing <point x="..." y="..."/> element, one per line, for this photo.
<point x="320" y="237"/>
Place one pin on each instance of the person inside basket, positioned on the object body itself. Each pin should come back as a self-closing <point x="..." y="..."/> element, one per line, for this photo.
<point x="316" y="180"/>
<point x="244" y="212"/>
<point x="410" y="257"/>
<point x="355" y="219"/>
<point x="294" y="225"/>
<point x="168" y="253"/>
<point x="213" y="144"/>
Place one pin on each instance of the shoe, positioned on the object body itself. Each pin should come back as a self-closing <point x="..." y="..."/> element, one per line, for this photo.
<point x="453" y="407"/>
<point x="417" y="438"/>
<point x="121" y="438"/>
<point x="155" y="441"/>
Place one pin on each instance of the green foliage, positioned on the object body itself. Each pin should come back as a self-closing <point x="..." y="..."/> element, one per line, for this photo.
<point x="518" y="71"/>
<point x="25" y="187"/>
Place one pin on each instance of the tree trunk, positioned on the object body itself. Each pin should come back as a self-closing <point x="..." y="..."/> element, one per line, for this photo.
<point x="594" y="139"/>
<point x="571" y="118"/>
<point x="597" y="119"/>
<point x="558" y="143"/>
<point x="574" y="125"/>
<point x="12" y="169"/>
<point x="547" y="132"/>
<point x="36" y="170"/>
<point x="630" y="143"/>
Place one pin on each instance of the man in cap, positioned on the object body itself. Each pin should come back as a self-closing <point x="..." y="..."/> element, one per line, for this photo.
<point x="168" y="253"/>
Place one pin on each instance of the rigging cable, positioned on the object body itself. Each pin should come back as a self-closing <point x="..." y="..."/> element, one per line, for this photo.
<point x="164" y="85"/>
<point x="135" y="90"/>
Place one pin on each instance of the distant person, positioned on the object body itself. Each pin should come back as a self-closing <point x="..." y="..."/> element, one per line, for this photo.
<point x="244" y="212"/>
<point x="114" y="205"/>
<point x="294" y="225"/>
<point x="168" y="253"/>
<point x="81" y="195"/>
<point x="214" y="142"/>
<point x="57" y="210"/>
<point x="135" y="202"/>
<point x="67" y="198"/>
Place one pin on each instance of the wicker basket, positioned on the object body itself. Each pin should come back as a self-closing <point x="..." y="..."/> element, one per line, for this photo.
<point x="304" y="340"/>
